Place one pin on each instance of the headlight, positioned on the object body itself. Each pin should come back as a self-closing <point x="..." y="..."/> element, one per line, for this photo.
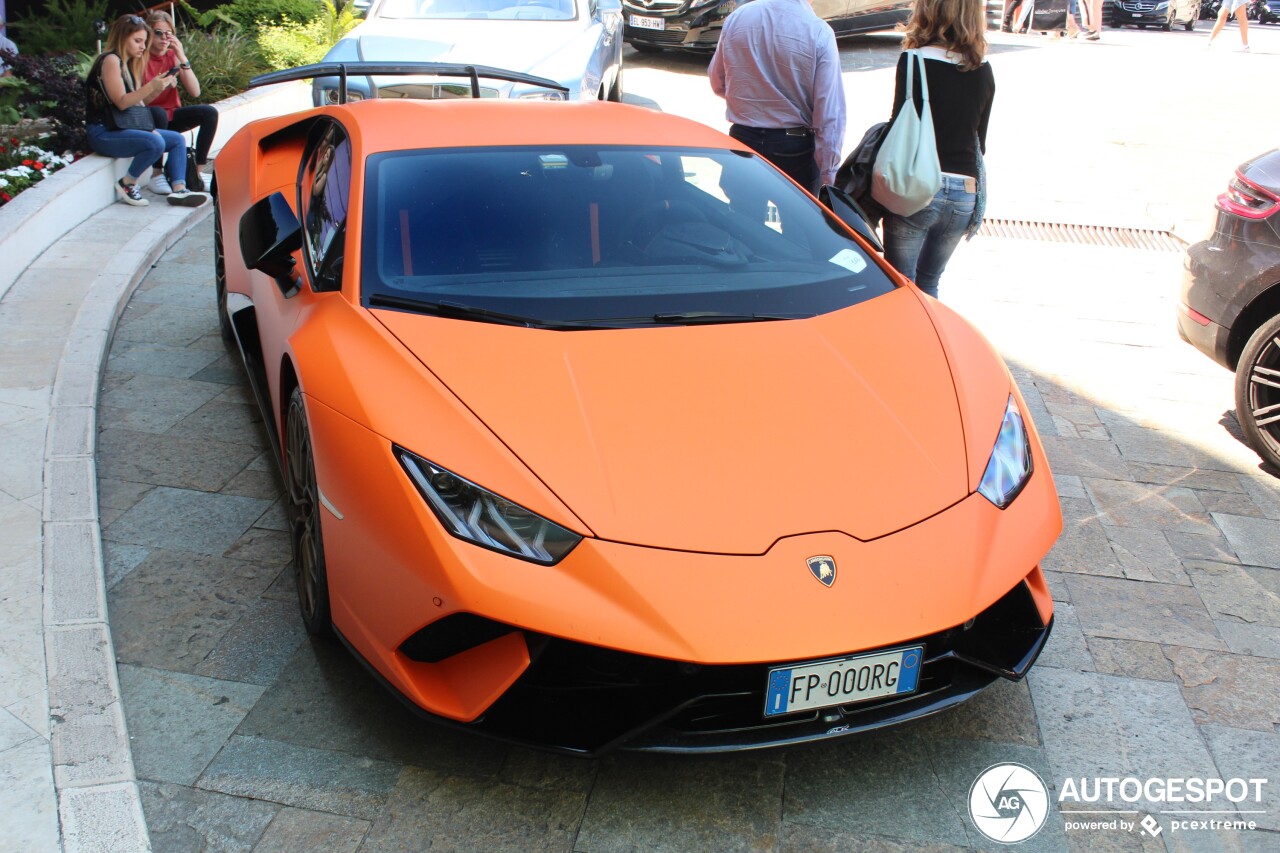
<point x="542" y="95"/>
<point x="490" y="521"/>
<point x="1010" y="465"/>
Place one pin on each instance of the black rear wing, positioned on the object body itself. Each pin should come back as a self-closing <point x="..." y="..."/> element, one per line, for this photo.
<point x="342" y="70"/>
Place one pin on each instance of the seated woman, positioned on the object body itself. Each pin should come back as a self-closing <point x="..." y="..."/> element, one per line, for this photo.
<point x="110" y="84"/>
<point x="167" y="111"/>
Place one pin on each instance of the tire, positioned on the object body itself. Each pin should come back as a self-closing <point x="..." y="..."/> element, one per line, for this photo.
<point x="1189" y="25"/>
<point x="220" y="277"/>
<point x="1166" y="26"/>
<point x="1258" y="391"/>
<point x="303" y="498"/>
<point x="615" y="91"/>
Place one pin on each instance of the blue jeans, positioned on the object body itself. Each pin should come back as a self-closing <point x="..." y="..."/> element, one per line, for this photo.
<point x="920" y="245"/>
<point x="144" y="146"/>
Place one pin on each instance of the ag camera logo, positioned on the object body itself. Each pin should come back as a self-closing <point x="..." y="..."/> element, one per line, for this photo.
<point x="1008" y="803"/>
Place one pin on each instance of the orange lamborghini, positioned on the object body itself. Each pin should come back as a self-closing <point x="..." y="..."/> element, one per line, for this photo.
<point x="597" y="431"/>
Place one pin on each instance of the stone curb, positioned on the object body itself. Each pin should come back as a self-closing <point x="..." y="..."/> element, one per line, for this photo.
<point x="99" y="805"/>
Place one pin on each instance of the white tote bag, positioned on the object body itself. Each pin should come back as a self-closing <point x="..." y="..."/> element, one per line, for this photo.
<point x="906" y="174"/>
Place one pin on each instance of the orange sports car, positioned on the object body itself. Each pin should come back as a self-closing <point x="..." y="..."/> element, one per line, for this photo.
<point x="598" y="431"/>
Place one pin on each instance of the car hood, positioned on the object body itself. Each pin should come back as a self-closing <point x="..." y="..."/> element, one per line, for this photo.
<point x="513" y="45"/>
<point x="719" y="439"/>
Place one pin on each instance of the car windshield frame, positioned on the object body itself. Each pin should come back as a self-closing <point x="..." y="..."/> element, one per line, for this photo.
<point x="537" y="11"/>
<point x="573" y="237"/>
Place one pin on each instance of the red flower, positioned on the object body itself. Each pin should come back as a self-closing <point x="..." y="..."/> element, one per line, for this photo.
<point x="38" y="165"/>
<point x="26" y="162"/>
<point x="13" y="140"/>
<point x="6" y="196"/>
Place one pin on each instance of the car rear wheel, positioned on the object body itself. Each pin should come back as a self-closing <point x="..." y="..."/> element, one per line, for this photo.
<point x="1258" y="391"/>
<point x="1190" y="25"/>
<point x="304" y="520"/>
<point x="220" y="276"/>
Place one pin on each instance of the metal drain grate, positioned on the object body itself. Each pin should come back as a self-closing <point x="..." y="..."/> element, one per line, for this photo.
<point x="1085" y="235"/>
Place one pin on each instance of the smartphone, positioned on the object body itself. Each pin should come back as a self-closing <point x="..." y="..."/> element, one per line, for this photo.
<point x="172" y="72"/>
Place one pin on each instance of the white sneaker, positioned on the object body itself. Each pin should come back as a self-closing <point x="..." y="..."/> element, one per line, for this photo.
<point x="1244" y="48"/>
<point x="186" y="198"/>
<point x="160" y="185"/>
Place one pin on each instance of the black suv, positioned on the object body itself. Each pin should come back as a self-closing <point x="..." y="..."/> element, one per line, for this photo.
<point x="1230" y="307"/>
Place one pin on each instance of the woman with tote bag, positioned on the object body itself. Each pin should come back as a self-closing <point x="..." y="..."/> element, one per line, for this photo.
<point x="950" y="37"/>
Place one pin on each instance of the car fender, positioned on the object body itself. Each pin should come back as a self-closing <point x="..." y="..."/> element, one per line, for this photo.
<point x="583" y="64"/>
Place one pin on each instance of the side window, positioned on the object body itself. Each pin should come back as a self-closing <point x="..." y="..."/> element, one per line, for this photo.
<point x="326" y="194"/>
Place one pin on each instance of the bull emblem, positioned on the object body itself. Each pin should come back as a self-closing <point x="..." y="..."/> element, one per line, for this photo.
<point x="823" y="568"/>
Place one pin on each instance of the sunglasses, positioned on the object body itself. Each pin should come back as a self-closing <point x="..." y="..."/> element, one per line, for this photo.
<point x="135" y="20"/>
<point x="163" y="34"/>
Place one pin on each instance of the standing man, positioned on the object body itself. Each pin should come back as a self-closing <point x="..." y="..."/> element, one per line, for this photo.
<point x="778" y="70"/>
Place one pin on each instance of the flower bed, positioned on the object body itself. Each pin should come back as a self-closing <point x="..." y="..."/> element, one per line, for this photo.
<point x="23" y="164"/>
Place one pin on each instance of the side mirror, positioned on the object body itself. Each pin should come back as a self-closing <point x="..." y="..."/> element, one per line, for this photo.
<point x="850" y="213"/>
<point x="269" y="235"/>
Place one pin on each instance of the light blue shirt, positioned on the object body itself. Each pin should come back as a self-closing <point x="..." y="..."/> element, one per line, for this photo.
<point x="776" y="65"/>
<point x="6" y="44"/>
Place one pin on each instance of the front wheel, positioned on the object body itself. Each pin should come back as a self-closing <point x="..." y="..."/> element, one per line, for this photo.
<point x="1189" y="25"/>
<point x="1258" y="391"/>
<point x="220" y="276"/>
<point x="615" y="91"/>
<point x="303" y="497"/>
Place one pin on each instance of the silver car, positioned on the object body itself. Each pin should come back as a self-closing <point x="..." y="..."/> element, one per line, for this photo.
<point x="576" y="43"/>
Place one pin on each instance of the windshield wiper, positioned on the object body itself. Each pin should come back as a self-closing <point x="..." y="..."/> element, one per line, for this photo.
<point x="458" y="310"/>
<point x="691" y="318"/>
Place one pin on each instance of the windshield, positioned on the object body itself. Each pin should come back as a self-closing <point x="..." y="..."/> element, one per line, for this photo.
<point x="493" y="10"/>
<point x="603" y="236"/>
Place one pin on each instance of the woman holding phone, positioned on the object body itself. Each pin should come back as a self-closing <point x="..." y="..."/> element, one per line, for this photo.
<point x="111" y="84"/>
<point x="166" y="56"/>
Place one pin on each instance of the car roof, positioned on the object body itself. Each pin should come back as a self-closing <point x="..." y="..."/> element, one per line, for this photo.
<point x="403" y="124"/>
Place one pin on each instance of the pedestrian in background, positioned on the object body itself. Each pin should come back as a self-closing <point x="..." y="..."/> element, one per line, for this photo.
<point x="777" y="67"/>
<point x="6" y="46"/>
<point x="111" y="84"/>
<point x="950" y="36"/>
<point x="167" y="111"/>
<point x="1091" y="17"/>
<point x="1240" y="8"/>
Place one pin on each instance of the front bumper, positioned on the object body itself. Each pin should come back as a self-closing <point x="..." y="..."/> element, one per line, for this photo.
<point x="683" y="30"/>
<point x="587" y="700"/>
<point x="1121" y="16"/>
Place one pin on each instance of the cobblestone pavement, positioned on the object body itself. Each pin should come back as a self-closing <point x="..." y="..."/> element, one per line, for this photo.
<point x="247" y="735"/>
<point x="1165" y="659"/>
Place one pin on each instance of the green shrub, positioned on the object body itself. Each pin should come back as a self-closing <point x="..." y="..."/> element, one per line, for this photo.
<point x="62" y="26"/>
<point x="224" y="60"/>
<point x="53" y="89"/>
<point x="249" y="14"/>
<point x="289" y="45"/>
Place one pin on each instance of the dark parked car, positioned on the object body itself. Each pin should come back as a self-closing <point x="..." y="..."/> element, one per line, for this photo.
<point x="1230" y="306"/>
<point x="1165" y="14"/>
<point x="695" y="24"/>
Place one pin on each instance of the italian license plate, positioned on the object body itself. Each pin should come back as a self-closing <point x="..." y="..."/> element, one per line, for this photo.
<point x="643" y="22"/>
<point x="842" y="682"/>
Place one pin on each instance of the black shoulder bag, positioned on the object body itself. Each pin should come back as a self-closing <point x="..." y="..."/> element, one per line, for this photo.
<point x="136" y="117"/>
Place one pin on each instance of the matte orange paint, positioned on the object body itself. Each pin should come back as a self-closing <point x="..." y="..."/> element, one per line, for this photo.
<point x="700" y="512"/>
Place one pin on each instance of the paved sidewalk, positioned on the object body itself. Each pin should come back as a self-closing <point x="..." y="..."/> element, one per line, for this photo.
<point x="247" y="736"/>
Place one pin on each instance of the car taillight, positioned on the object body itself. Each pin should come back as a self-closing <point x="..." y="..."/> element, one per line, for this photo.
<point x="1247" y="199"/>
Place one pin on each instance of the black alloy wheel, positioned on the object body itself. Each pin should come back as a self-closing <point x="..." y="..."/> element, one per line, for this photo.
<point x="1258" y="391"/>
<point x="220" y="276"/>
<point x="304" y="520"/>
